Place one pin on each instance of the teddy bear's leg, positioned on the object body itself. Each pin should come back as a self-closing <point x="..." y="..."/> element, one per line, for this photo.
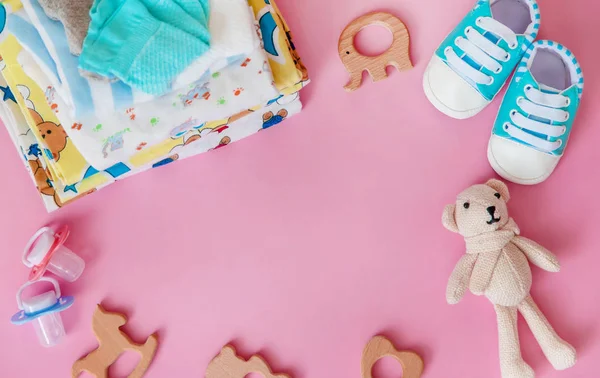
<point x="512" y="364"/>
<point x="560" y="353"/>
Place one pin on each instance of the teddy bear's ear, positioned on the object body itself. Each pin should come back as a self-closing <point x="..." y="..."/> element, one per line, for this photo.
<point x="448" y="219"/>
<point x="500" y="187"/>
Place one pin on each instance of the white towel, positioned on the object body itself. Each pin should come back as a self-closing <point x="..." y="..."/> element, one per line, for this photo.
<point x="232" y="36"/>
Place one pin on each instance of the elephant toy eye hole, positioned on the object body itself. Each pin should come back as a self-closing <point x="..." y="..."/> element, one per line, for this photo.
<point x="347" y="52"/>
<point x="466" y="205"/>
<point x="497" y="195"/>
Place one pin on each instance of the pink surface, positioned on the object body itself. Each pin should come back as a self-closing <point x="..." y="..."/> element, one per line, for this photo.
<point x="304" y="241"/>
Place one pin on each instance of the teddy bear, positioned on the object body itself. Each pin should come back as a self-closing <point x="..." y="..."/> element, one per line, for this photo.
<point x="496" y="265"/>
<point x="53" y="135"/>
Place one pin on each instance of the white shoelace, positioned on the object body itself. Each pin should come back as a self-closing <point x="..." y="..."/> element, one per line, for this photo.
<point x="482" y="50"/>
<point x="542" y="105"/>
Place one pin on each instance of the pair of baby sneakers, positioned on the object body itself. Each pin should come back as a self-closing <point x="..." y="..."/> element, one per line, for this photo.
<point x="536" y="116"/>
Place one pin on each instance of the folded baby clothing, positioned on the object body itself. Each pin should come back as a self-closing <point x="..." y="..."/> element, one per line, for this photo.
<point x="74" y="15"/>
<point x="232" y="31"/>
<point x="145" y="43"/>
<point x="187" y="137"/>
<point x="216" y="95"/>
<point x="105" y="140"/>
<point x="57" y="161"/>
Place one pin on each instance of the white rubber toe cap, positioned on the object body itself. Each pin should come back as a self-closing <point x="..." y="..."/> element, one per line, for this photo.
<point x="518" y="163"/>
<point x="450" y="93"/>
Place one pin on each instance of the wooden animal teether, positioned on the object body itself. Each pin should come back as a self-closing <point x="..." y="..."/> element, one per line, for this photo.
<point x="113" y="342"/>
<point x="379" y="347"/>
<point x="228" y="365"/>
<point x="397" y="55"/>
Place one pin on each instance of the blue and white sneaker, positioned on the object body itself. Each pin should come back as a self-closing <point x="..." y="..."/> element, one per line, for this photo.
<point x="536" y="117"/>
<point x="474" y="62"/>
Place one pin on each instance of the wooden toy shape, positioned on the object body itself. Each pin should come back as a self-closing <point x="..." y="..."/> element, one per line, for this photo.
<point x="397" y="55"/>
<point x="228" y="365"/>
<point x="112" y="342"/>
<point x="379" y="347"/>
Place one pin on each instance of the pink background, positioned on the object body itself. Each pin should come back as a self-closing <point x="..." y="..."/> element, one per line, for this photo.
<point x="304" y="241"/>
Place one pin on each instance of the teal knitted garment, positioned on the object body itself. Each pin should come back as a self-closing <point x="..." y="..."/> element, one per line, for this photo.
<point x="145" y="43"/>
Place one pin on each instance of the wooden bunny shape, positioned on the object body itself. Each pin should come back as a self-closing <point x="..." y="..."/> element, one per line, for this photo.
<point x="228" y="365"/>
<point x="397" y="55"/>
<point x="113" y="342"/>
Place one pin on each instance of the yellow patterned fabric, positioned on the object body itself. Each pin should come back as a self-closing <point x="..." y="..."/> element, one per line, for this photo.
<point x="63" y="158"/>
<point x="13" y="5"/>
<point x="288" y="71"/>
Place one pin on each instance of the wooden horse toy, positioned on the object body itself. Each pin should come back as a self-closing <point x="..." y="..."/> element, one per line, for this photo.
<point x="112" y="342"/>
<point x="397" y="55"/>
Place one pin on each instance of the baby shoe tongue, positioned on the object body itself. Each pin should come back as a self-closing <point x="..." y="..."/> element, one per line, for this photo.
<point x="530" y="79"/>
<point x="548" y="89"/>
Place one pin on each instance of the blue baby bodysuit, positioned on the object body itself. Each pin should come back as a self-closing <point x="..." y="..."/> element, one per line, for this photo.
<point x="145" y="43"/>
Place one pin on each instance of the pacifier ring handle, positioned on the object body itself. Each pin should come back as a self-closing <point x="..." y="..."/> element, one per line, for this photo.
<point x="32" y="240"/>
<point x="42" y="279"/>
<point x="59" y="238"/>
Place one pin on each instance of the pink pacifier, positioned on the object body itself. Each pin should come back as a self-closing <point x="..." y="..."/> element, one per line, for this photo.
<point x="45" y="251"/>
<point x="44" y="311"/>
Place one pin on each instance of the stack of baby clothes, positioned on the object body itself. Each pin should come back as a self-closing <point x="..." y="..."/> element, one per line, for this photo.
<point x="97" y="90"/>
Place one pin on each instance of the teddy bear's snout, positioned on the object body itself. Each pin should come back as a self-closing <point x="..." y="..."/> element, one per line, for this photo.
<point x="492" y="211"/>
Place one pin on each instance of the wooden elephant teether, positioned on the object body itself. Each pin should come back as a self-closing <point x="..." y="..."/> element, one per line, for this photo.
<point x="113" y="342"/>
<point x="397" y="55"/>
<point x="379" y="347"/>
<point x="228" y="365"/>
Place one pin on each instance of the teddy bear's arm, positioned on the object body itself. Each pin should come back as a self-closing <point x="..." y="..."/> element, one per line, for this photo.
<point x="538" y="255"/>
<point x="459" y="279"/>
<point x="482" y="273"/>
